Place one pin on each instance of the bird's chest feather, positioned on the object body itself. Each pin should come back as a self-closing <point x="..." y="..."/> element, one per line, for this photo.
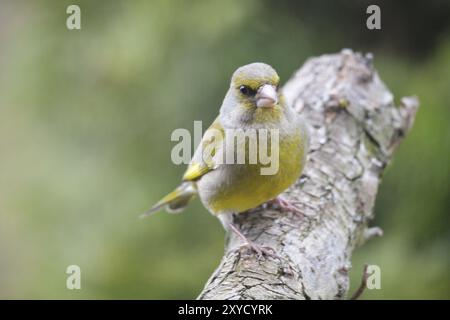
<point x="240" y="187"/>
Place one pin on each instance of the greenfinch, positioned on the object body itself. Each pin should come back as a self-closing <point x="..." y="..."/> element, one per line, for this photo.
<point x="254" y="103"/>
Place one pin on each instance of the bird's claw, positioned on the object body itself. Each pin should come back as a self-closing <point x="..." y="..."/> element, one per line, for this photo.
<point x="260" y="250"/>
<point x="286" y="205"/>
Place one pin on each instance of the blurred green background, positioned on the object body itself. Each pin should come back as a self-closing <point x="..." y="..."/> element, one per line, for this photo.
<point x="86" y="118"/>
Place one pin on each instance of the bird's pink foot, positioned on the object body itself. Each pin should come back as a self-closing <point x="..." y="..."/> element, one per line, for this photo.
<point x="286" y="205"/>
<point x="259" y="250"/>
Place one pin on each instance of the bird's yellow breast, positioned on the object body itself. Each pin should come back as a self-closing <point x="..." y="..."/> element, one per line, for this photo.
<point x="244" y="187"/>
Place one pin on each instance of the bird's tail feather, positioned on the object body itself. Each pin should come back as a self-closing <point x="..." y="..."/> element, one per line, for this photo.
<point x="175" y="201"/>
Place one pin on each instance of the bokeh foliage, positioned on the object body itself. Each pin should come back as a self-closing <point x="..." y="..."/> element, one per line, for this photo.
<point x="86" y="118"/>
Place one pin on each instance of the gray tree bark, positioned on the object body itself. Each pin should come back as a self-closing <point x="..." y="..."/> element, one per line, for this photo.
<point x="354" y="128"/>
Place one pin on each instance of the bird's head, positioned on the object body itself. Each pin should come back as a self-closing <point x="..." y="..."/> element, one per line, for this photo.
<point x="256" y="85"/>
<point x="254" y="94"/>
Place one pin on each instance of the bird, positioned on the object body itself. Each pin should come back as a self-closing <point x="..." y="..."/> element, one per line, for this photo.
<point x="253" y="103"/>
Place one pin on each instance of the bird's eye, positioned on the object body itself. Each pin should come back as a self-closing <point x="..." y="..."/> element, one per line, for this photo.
<point x="247" y="91"/>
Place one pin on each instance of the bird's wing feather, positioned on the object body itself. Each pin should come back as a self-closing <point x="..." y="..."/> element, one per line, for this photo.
<point x="207" y="154"/>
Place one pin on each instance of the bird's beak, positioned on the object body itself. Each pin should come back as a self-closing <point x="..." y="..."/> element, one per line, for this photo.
<point x="266" y="96"/>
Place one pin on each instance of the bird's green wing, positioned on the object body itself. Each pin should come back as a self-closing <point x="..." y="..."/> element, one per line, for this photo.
<point x="207" y="153"/>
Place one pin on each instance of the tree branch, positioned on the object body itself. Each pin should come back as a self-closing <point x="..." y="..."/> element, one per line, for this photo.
<point x="362" y="285"/>
<point x="355" y="128"/>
